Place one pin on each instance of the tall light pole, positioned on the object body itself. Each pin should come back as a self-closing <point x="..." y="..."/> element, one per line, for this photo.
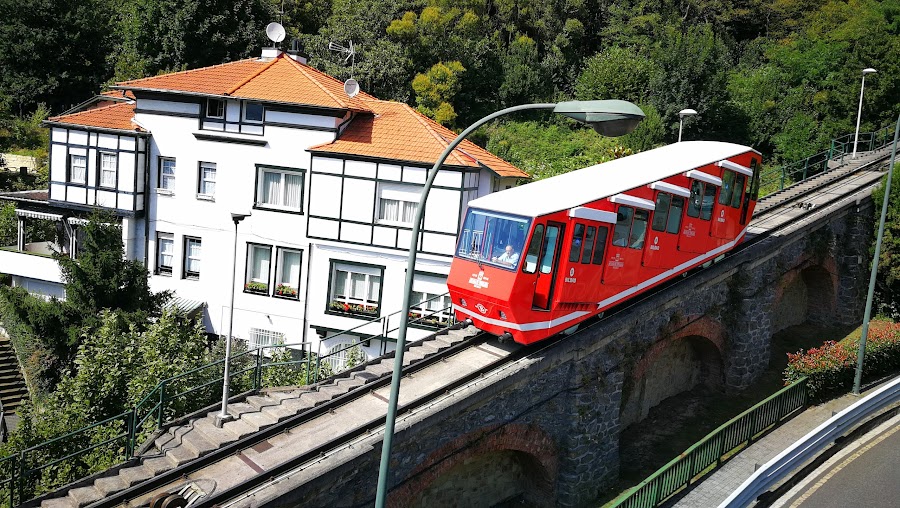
<point x="857" y="378"/>
<point x="223" y="415"/>
<point x="867" y="70"/>
<point x="681" y="114"/>
<point x="609" y="118"/>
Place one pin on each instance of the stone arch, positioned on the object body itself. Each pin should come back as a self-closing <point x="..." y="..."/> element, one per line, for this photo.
<point x="512" y="463"/>
<point x="807" y="293"/>
<point x="690" y="355"/>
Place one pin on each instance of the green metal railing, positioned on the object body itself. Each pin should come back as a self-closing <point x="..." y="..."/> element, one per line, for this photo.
<point x="776" y="178"/>
<point x="96" y="447"/>
<point x="709" y="452"/>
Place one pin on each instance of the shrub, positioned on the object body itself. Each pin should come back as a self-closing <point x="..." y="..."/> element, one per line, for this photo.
<point x="830" y="368"/>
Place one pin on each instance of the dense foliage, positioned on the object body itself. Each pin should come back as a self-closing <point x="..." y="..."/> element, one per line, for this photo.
<point x="830" y="369"/>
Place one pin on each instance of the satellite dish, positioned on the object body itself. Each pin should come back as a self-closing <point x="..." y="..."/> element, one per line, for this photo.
<point x="275" y="32"/>
<point x="351" y="87"/>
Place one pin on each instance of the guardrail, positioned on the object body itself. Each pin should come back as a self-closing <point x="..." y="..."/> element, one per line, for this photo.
<point x="776" y="178"/>
<point x="709" y="452"/>
<point x="78" y="454"/>
<point x="810" y="445"/>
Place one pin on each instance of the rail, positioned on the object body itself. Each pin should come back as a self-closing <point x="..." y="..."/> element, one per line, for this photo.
<point x="776" y="178"/>
<point x="709" y="452"/>
<point x="114" y="440"/>
<point x="811" y="444"/>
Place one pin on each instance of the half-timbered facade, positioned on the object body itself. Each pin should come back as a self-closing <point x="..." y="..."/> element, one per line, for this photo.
<point x="330" y="183"/>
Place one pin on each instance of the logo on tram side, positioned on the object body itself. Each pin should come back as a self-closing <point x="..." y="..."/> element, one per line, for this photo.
<point x="655" y="245"/>
<point x="722" y="216"/>
<point x="689" y="231"/>
<point x="616" y="262"/>
<point x="481" y="308"/>
<point x="479" y="280"/>
<point x="571" y="277"/>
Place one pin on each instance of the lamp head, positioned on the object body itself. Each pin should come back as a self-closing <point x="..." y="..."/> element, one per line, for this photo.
<point x="610" y="118"/>
<point x="686" y="112"/>
<point x="869" y="70"/>
<point x="238" y="217"/>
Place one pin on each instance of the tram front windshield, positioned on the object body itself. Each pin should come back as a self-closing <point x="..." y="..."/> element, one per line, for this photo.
<point x="493" y="238"/>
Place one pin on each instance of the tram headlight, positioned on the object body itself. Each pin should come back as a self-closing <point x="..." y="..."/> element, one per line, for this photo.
<point x="502" y="315"/>
<point x="462" y="301"/>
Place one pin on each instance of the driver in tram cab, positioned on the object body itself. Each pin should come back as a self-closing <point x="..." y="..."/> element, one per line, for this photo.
<point x="509" y="256"/>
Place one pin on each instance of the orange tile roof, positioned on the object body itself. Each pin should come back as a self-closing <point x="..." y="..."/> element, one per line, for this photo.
<point x="281" y="79"/>
<point x="397" y="131"/>
<point x="115" y="116"/>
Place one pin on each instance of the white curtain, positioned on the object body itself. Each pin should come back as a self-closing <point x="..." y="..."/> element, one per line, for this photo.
<point x="290" y="269"/>
<point x="409" y="211"/>
<point x="107" y="170"/>
<point x="79" y="173"/>
<point x="166" y="251"/>
<point x="374" y="288"/>
<point x="340" y="283"/>
<point x="358" y="286"/>
<point x="293" y="185"/>
<point x="271" y="188"/>
<point x="390" y="209"/>
<point x="193" y="264"/>
<point x="209" y="181"/>
<point x="260" y="271"/>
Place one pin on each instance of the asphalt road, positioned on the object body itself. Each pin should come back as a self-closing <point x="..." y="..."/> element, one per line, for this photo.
<point x="868" y="476"/>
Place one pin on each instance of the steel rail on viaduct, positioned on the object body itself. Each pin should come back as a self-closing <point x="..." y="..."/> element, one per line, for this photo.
<point x="483" y="423"/>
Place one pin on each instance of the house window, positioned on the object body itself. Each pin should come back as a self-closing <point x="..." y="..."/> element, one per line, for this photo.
<point x="215" y="108"/>
<point x="77" y="169"/>
<point x="165" y="253"/>
<point x="207" y="179"/>
<point x="355" y="289"/>
<point x="258" y="262"/>
<point x="287" y="276"/>
<point x="108" y="170"/>
<point x="280" y="189"/>
<point x="192" y="249"/>
<point x="397" y="203"/>
<point x="253" y="112"/>
<point x="167" y="173"/>
<point x="339" y="355"/>
<point x="260" y="337"/>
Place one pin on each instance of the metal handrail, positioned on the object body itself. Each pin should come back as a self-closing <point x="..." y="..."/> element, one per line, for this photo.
<point x="709" y="452"/>
<point x="810" y="445"/>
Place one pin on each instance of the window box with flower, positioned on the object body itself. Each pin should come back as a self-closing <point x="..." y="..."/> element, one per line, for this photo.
<point x="285" y="291"/>
<point x="259" y="288"/>
<point x="353" y="309"/>
<point x="419" y="319"/>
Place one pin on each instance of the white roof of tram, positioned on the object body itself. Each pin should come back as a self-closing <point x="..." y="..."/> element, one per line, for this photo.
<point x="582" y="186"/>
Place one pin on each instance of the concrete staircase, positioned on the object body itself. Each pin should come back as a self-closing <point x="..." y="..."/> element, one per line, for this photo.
<point x="200" y="436"/>
<point x="12" y="384"/>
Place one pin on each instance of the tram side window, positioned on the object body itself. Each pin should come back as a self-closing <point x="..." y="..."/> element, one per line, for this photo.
<point x="674" y="223"/>
<point x="738" y="191"/>
<point x="695" y="199"/>
<point x="549" y="248"/>
<point x="600" y="245"/>
<point x="577" y="241"/>
<point x="588" y="245"/>
<point x="661" y="213"/>
<point x="623" y="226"/>
<point x="754" y="183"/>
<point x="709" y="197"/>
<point x="727" y="187"/>
<point x="534" y="250"/>
<point x="638" y="229"/>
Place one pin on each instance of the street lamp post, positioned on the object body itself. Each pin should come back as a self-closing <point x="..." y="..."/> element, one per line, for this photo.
<point x="862" y="88"/>
<point x="681" y="114"/>
<point x="608" y="117"/>
<point x="223" y="415"/>
<point x="857" y="378"/>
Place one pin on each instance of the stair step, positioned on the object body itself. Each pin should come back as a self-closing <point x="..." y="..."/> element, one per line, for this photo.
<point x="59" y="502"/>
<point x="134" y="475"/>
<point x="198" y="442"/>
<point x="316" y="397"/>
<point x="156" y="465"/>
<point x="237" y="428"/>
<point x="259" y="420"/>
<point x="110" y="485"/>
<point x="261" y="401"/>
<point x="85" y="495"/>
<point x="181" y="454"/>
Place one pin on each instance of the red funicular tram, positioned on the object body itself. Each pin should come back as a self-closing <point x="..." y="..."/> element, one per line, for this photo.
<point x="538" y="259"/>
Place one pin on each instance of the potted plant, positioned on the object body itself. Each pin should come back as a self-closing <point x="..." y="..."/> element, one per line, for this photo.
<point x="256" y="287"/>
<point x="286" y="291"/>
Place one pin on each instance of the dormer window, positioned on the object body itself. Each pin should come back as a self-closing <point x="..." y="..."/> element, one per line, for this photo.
<point x="253" y="112"/>
<point x="215" y="108"/>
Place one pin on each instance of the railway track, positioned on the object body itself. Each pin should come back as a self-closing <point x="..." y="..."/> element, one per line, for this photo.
<point x="279" y="433"/>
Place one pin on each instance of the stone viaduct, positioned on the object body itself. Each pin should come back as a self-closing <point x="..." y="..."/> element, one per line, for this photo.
<point x="545" y="432"/>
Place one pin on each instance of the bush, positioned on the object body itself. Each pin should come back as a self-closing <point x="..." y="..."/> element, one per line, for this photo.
<point x="830" y="369"/>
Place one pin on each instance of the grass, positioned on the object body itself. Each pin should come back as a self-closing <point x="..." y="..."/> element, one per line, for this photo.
<point x="680" y="421"/>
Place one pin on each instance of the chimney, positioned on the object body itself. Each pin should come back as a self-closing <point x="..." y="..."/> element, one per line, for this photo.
<point x="270" y="53"/>
<point x="296" y="53"/>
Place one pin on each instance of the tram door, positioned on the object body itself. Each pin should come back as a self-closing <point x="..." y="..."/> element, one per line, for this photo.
<point x="751" y="193"/>
<point x="541" y="260"/>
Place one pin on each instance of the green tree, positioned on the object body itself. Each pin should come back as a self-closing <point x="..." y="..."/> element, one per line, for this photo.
<point x="523" y="79"/>
<point x="617" y="73"/>
<point x="436" y="90"/>
<point x="9" y="224"/>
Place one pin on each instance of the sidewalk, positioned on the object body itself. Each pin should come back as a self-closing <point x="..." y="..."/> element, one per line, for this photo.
<point x="715" y="488"/>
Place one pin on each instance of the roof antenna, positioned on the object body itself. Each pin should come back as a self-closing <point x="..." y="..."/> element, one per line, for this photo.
<point x="351" y="86"/>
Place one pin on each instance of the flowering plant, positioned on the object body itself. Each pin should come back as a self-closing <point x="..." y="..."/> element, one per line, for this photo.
<point x="353" y="308"/>
<point x="285" y="290"/>
<point x="256" y="287"/>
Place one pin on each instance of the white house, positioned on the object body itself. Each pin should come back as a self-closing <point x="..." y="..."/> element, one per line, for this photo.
<point x="331" y="183"/>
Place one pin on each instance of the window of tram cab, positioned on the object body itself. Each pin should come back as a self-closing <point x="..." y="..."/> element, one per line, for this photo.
<point x="638" y="229"/>
<point x="623" y="226"/>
